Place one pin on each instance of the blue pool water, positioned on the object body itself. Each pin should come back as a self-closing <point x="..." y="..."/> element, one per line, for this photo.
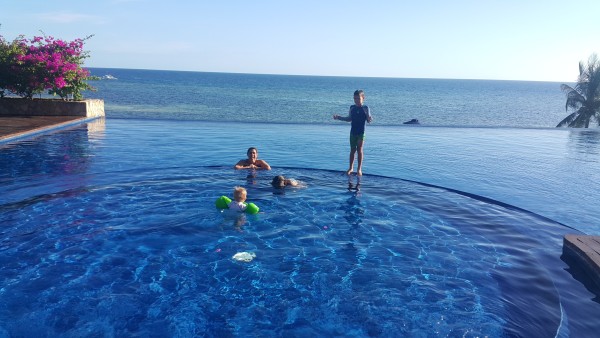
<point x="109" y="229"/>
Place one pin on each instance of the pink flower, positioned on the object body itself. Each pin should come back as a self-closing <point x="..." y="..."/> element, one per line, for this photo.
<point x="46" y="63"/>
<point x="60" y="82"/>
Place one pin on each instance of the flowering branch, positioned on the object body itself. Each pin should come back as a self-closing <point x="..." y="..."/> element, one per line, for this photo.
<point x="30" y="67"/>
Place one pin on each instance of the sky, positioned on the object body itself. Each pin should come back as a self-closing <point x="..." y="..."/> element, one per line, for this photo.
<point x="462" y="39"/>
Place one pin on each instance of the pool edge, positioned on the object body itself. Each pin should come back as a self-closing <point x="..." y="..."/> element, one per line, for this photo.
<point x="584" y="250"/>
<point x="41" y="125"/>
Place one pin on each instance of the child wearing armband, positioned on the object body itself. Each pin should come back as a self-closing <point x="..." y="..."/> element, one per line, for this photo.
<point x="238" y="203"/>
<point x="239" y="199"/>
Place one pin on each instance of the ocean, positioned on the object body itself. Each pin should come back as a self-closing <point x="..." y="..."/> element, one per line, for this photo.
<point x="314" y="99"/>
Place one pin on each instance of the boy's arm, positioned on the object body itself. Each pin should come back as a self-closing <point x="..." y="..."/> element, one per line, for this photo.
<point x="342" y="118"/>
<point x="369" y="116"/>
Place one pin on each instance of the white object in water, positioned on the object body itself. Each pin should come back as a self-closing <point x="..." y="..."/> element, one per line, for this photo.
<point x="244" y="256"/>
<point x="109" y="77"/>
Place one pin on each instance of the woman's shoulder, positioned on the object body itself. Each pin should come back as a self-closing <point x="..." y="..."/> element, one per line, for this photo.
<point x="261" y="162"/>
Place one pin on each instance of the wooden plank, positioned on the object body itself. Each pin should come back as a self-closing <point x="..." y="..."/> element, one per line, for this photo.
<point x="15" y="126"/>
<point x="585" y="250"/>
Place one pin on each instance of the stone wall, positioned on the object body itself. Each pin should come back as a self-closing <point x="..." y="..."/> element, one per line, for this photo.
<point x="50" y="107"/>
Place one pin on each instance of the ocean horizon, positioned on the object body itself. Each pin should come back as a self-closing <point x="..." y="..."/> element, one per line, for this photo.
<point x="237" y="97"/>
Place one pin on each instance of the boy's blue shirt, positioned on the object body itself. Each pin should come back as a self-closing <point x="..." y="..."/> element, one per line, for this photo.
<point x="359" y="117"/>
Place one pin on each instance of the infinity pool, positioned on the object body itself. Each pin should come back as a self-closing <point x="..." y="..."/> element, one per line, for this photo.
<point x="106" y="233"/>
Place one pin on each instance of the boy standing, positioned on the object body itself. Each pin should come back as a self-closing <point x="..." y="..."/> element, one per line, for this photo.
<point x="358" y="115"/>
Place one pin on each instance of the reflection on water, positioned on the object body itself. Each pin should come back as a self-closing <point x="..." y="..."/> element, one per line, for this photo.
<point x="57" y="161"/>
<point x="354" y="184"/>
<point x="53" y="154"/>
<point x="585" y="141"/>
<point x="251" y="177"/>
<point x="97" y="128"/>
<point x="353" y="210"/>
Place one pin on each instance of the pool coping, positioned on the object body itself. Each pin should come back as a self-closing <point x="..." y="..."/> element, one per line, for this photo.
<point x="585" y="250"/>
<point x="23" y="118"/>
<point x="15" y="128"/>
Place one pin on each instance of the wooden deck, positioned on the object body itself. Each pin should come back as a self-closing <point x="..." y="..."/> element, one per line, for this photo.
<point x="585" y="250"/>
<point x="22" y="126"/>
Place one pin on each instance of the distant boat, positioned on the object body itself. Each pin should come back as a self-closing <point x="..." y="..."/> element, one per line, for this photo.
<point x="413" y="121"/>
<point x="108" y="77"/>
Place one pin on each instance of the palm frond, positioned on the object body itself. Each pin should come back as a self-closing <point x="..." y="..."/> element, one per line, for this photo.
<point x="584" y="97"/>
<point x="567" y="120"/>
<point x="580" y="121"/>
<point x="566" y="88"/>
<point x="574" y="98"/>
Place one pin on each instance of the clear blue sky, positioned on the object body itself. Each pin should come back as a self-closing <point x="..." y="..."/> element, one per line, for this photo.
<point x="461" y="39"/>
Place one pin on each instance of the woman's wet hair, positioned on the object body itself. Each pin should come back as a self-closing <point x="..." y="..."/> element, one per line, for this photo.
<point x="278" y="181"/>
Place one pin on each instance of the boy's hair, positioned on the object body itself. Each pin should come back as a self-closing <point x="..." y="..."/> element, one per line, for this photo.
<point x="250" y="149"/>
<point x="239" y="194"/>
<point x="278" y="181"/>
<point x="359" y="92"/>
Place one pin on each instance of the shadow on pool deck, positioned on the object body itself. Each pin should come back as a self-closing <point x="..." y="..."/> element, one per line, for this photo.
<point x="17" y="127"/>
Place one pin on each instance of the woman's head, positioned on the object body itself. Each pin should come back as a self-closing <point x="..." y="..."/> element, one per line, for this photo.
<point x="252" y="152"/>
<point x="278" y="181"/>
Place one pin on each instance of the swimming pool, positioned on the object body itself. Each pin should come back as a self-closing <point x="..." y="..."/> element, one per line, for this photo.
<point x="107" y="232"/>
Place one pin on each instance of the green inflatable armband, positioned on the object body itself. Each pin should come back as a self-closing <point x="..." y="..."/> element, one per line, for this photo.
<point x="223" y="202"/>
<point x="251" y="209"/>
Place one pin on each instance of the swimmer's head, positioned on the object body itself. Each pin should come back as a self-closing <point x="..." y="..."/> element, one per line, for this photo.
<point x="239" y="194"/>
<point x="252" y="153"/>
<point x="278" y="181"/>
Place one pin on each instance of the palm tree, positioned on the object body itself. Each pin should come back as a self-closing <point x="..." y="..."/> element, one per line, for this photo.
<point x="584" y="99"/>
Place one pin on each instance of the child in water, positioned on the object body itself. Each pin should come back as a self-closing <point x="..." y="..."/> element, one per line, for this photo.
<point x="239" y="199"/>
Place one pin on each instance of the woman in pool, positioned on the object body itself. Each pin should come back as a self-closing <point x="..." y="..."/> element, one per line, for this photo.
<point x="252" y="162"/>
<point x="282" y="182"/>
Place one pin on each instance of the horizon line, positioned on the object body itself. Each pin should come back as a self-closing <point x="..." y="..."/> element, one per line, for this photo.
<point x="313" y="75"/>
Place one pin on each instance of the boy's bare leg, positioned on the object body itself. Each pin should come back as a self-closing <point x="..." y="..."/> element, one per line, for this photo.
<point x="351" y="167"/>
<point x="360" y="158"/>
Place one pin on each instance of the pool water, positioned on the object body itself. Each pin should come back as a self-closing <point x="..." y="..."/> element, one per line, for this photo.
<point x="102" y="238"/>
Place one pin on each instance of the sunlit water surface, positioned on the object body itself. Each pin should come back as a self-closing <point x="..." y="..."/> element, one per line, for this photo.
<point x="110" y="229"/>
